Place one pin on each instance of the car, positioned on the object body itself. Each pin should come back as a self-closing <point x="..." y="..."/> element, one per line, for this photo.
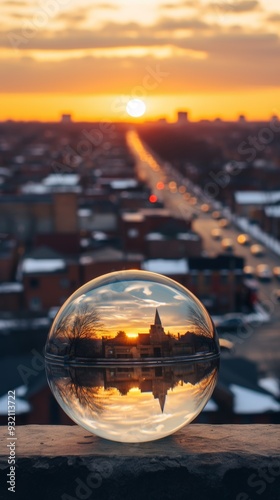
<point x="205" y="208"/>
<point x="243" y="239"/>
<point x="216" y="233"/>
<point x="227" y="244"/>
<point x="276" y="272"/>
<point x="257" y="250"/>
<point x="231" y="325"/>
<point x="216" y="214"/>
<point x="193" y="201"/>
<point x="224" y="223"/>
<point x="263" y="272"/>
<point x="248" y="272"/>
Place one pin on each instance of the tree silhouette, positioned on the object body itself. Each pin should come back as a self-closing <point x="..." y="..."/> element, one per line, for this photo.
<point x="89" y="397"/>
<point x="80" y="322"/>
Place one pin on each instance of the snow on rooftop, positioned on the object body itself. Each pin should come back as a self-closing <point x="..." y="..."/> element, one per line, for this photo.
<point x="211" y="406"/>
<point x="99" y="236"/>
<point x="5" y="171"/>
<point x="180" y="236"/>
<point x="85" y="242"/>
<point x="61" y="180"/>
<point x="42" y="265"/>
<point x="84" y="212"/>
<point x="7" y="325"/>
<point x="19" y="159"/>
<point x="124" y="183"/>
<point x="34" y="188"/>
<point x="273" y="211"/>
<point x="166" y="266"/>
<point x="247" y="401"/>
<point x="258" y="197"/>
<point x="21" y="390"/>
<point x="86" y="259"/>
<point x="271" y="385"/>
<point x="154" y="237"/>
<point x="11" y="287"/>
<point x="188" y="236"/>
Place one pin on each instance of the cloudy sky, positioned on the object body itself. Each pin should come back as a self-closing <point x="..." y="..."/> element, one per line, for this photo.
<point x="88" y="57"/>
<point x="131" y="306"/>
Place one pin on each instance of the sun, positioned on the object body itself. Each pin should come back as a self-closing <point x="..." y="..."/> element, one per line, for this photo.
<point x="135" y="108"/>
<point x="132" y="335"/>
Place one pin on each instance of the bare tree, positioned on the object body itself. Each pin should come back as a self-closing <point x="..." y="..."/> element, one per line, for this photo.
<point x="89" y="397"/>
<point x="80" y="322"/>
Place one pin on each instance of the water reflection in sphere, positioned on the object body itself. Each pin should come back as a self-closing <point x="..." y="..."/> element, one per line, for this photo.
<point x="132" y="356"/>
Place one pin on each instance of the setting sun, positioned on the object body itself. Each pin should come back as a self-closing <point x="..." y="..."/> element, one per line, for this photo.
<point x="132" y="335"/>
<point x="136" y="108"/>
<point x="114" y="61"/>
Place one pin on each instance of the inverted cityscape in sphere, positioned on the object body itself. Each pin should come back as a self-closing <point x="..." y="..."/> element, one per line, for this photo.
<point x="132" y="356"/>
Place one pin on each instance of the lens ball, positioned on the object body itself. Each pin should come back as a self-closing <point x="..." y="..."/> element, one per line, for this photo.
<point x="132" y="356"/>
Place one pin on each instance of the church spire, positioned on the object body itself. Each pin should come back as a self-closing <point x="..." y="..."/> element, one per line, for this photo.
<point x="162" y="398"/>
<point x="157" y="319"/>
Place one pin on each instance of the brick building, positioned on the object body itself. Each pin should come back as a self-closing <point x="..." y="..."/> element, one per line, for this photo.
<point x="48" y="279"/>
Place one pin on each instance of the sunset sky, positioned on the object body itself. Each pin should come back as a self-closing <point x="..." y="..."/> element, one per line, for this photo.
<point x="89" y="57"/>
<point x="130" y="306"/>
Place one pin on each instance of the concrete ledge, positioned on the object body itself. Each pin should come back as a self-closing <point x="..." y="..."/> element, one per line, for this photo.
<point x="227" y="462"/>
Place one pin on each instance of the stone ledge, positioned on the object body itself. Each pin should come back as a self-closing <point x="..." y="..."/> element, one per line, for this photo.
<point x="227" y="462"/>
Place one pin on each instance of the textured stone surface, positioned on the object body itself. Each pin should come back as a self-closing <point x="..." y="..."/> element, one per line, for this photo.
<point x="227" y="462"/>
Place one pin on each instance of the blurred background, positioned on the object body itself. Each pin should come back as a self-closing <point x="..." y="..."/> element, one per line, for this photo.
<point x="142" y="138"/>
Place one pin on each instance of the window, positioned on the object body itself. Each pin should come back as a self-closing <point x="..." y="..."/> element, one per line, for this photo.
<point x="34" y="283"/>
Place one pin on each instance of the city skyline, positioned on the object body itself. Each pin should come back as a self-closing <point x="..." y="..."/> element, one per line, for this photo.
<point x="130" y="306"/>
<point x="90" y="58"/>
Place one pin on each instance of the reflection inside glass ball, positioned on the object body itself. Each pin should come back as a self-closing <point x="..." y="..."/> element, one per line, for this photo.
<point x="132" y="356"/>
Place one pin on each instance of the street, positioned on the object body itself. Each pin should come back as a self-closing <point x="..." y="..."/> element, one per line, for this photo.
<point x="261" y="344"/>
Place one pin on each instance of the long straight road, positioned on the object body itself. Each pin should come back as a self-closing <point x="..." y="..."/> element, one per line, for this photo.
<point x="182" y="198"/>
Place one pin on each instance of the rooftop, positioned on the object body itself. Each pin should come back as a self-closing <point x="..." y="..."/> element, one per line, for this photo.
<point x="256" y="197"/>
<point x="273" y="211"/>
<point x="166" y="266"/>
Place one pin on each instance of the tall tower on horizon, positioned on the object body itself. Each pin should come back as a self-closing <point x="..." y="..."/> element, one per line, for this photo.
<point x="182" y="117"/>
<point x="157" y="333"/>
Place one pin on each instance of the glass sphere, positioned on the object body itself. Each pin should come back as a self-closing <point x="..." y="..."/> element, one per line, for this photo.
<point x="132" y="356"/>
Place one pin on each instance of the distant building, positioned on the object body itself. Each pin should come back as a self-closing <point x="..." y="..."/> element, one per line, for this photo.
<point x="105" y="260"/>
<point x="162" y="121"/>
<point x="182" y="117"/>
<point x="219" y="284"/>
<point x="48" y="279"/>
<point x="137" y="227"/>
<point x="156" y="344"/>
<point x="27" y="215"/>
<point x="242" y="119"/>
<point x="66" y="118"/>
<point x="250" y="203"/>
<point x="8" y="258"/>
<point x="270" y="220"/>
